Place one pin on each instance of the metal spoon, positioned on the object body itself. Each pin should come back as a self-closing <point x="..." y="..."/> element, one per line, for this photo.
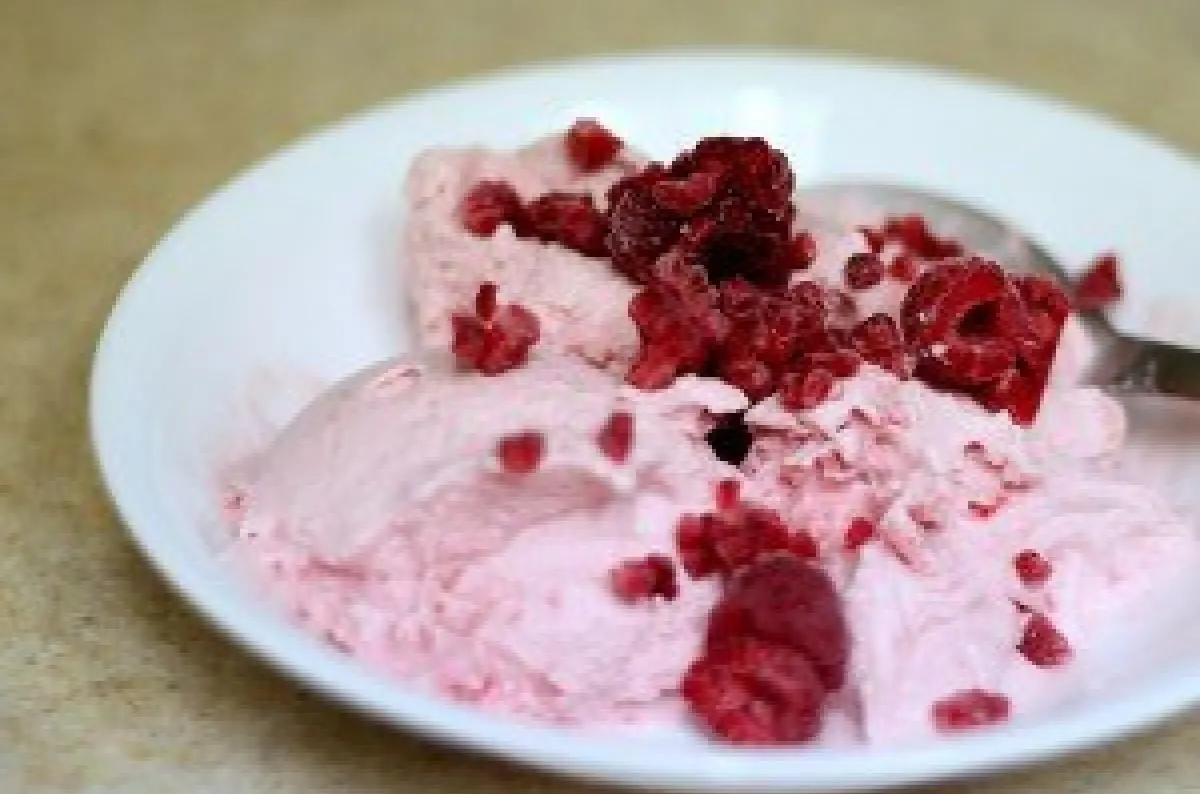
<point x="1123" y="363"/>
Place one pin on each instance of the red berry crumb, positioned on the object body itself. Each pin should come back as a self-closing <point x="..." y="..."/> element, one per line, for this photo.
<point x="590" y="145"/>
<point x="858" y="534"/>
<point x="569" y="219"/>
<point x="653" y="575"/>
<point x="487" y="205"/>
<point x="1043" y="644"/>
<point x="728" y="495"/>
<point x="863" y="271"/>
<point x="1032" y="568"/>
<point x="970" y="708"/>
<point x="495" y="338"/>
<point x="1100" y="284"/>
<point x="754" y="693"/>
<point x="521" y="453"/>
<point x="615" y="439"/>
<point x="786" y="601"/>
<point x="802" y="391"/>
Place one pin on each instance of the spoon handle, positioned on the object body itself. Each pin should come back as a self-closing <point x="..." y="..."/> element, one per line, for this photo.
<point x="1135" y="365"/>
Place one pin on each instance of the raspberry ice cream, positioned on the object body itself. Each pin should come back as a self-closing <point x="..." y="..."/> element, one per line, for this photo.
<point x="578" y="299"/>
<point x="672" y="450"/>
<point x="385" y="520"/>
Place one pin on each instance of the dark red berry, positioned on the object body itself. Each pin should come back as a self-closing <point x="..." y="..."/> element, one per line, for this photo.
<point x="521" y="453"/>
<point x="803" y="251"/>
<point x="970" y="708"/>
<point x="754" y="693"/>
<point x="688" y="195"/>
<point x="487" y="205"/>
<point x="571" y="220"/>
<point x="784" y="600"/>
<point x="615" y="439"/>
<point x="1100" y="285"/>
<point x="485" y="301"/>
<point x="802" y="391"/>
<point x="653" y="575"/>
<point x="858" y="534"/>
<point x="1032" y="568"/>
<point x="879" y="341"/>
<point x="496" y="338"/>
<point x="591" y="146"/>
<point x="728" y="495"/>
<point x="904" y="267"/>
<point x="863" y="271"/>
<point x="875" y="238"/>
<point x="1043" y="644"/>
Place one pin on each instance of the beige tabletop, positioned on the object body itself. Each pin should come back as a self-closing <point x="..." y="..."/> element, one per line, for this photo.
<point x="116" y="115"/>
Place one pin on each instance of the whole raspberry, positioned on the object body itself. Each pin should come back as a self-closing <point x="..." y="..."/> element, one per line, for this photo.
<point x="755" y="693"/>
<point x="787" y="601"/>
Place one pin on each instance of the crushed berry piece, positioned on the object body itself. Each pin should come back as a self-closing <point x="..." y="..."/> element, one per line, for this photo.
<point x="728" y="494"/>
<point x="802" y="391"/>
<point x="786" y="601"/>
<point x="879" y="341"/>
<point x="875" y="238"/>
<point x="653" y="575"/>
<point x="521" y="453"/>
<point x="693" y="537"/>
<point x="571" y="220"/>
<point x="802" y="251"/>
<point x="863" y="271"/>
<point x="686" y="196"/>
<point x="970" y="708"/>
<point x="485" y="301"/>
<point x="496" y="338"/>
<point x="755" y="693"/>
<point x="1100" y="284"/>
<point x="615" y="439"/>
<point x="983" y="510"/>
<point x="487" y="205"/>
<point x="1032" y="568"/>
<point x="904" y="267"/>
<point x="913" y="234"/>
<point x="860" y="532"/>
<point x="590" y="145"/>
<point x="1043" y="644"/>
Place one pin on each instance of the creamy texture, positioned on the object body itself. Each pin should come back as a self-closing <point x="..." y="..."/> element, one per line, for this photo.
<point x="580" y="302"/>
<point x="956" y="493"/>
<point x="380" y="518"/>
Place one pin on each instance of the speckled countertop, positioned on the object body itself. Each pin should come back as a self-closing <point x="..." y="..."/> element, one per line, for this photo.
<point x="116" y="115"/>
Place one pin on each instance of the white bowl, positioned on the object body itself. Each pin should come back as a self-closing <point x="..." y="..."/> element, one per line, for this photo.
<point x="290" y="268"/>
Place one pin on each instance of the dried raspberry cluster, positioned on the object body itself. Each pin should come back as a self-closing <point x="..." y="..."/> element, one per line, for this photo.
<point x="710" y="238"/>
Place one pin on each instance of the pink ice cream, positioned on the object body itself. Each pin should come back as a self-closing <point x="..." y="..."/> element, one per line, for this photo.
<point x="580" y="301"/>
<point x="382" y="521"/>
<point x="956" y="493"/>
